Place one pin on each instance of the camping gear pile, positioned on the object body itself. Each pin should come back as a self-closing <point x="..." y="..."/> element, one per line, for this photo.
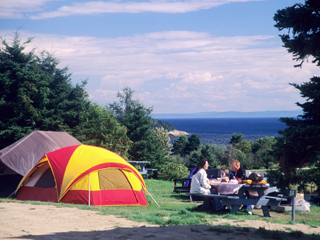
<point x="254" y="179"/>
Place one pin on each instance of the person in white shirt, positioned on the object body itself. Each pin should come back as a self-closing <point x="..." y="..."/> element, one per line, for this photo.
<point x="201" y="184"/>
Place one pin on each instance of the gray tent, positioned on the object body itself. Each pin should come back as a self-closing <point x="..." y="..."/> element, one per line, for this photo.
<point x="18" y="158"/>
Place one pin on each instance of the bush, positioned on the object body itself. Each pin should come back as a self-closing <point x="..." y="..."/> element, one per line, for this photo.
<point x="172" y="171"/>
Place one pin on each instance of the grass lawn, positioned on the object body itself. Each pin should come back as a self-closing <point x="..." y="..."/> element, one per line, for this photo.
<point x="176" y="209"/>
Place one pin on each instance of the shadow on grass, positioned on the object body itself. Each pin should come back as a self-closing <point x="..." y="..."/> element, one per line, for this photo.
<point x="202" y="232"/>
<point x="181" y="196"/>
<point x="219" y="213"/>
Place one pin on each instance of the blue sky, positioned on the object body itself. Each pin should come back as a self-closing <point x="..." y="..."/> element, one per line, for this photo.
<point x="179" y="56"/>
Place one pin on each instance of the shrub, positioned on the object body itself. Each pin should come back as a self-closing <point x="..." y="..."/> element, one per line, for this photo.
<point x="172" y="171"/>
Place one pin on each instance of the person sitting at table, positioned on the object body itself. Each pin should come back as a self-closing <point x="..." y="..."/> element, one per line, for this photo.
<point x="201" y="184"/>
<point x="238" y="172"/>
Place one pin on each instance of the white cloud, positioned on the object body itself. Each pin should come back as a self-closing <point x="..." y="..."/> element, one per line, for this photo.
<point x="23" y="8"/>
<point x="18" y="8"/>
<point x="184" y="71"/>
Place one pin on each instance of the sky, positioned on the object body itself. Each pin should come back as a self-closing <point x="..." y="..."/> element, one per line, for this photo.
<point x="179" y="56"/>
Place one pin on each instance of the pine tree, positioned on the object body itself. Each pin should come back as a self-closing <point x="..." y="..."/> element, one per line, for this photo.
<point x="132" y="114"/>
<point x="99" y="127"/>
<point x="300" y="141"/>
<point x="35" y="93"/>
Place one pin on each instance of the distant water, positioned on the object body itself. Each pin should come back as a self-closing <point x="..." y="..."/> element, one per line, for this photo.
<point x="220" y="130"/>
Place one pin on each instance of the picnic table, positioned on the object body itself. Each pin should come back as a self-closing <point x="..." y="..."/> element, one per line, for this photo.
<point x="254" y="195"/>
<point x="226" y="187"/>
<point x="241" y="194"/>
<point x="141" y="167"/>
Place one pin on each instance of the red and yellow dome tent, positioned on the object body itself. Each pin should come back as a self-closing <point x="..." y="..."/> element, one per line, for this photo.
<point x="84" y="174"/>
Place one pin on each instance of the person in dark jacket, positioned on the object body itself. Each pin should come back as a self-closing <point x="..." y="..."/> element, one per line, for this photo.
<point x="236" y="170"/>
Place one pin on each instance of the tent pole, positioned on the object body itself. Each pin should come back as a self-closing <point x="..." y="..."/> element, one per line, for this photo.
<point x="147" y="190"/>
<point x="89" y="187"/>
<point x="11" y="194"/>
<point x="150" y="195"/>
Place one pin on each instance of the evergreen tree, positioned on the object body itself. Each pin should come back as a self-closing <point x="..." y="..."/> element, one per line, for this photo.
<point x="179" y="146"/>
<point x="244" y="146"/>
<point x="100" y="128"/>
<point x="300" y="142"/>
<point x="193" y="144"/>
<point x="132" y="114"/>
<point x="303" y="24"/>
<point x="35" y="93"/>
<point x="207" y="151"/>
<point x="263" y="150"/>
<point x="236" y="138"/>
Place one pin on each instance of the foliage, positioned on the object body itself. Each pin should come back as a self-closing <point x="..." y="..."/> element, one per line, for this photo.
<point x="303" y="37"/>
<point x="132" y="114"/>
<point x="252" y="155"/>
<point x="194" y="159"/>
<point x="164" y="139"/>
<point x="127" y="105"/>
<point x="100" y="128"/>
<point x="179" y="145"/>
<point x="236" y="138"/>
<point x="162" y="124"/>
<point x="35" y="93"/>
<point x="172" y="171"/>
<point x="229" y="155"/>
<point x="306" y="180"/>
<point x="219" y="153"/>
<point x="210" y="153"/>
<point x="242" y="158"/>
<point x="276" y="178"/>
<point x="314" y="176"/>
<point x="299" y="144"/>
<point x="184" y="146"/>
<point x="263" y="150"/>
<point x="179" y="159"/>
<point x="192" y="144"/>
<point x="207" y="151"/>
<point x="244" y="146"/>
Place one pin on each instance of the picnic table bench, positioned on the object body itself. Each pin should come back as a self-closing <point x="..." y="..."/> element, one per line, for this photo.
<point x="243" y="198"/>
<point x="140" y="166"/>
<point x="182" y="185"/>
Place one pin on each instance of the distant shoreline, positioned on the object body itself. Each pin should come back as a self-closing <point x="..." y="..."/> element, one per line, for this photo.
<point x="220" y="130"/>
<point x="177" y="133"/>
<point x="231" y="114"/>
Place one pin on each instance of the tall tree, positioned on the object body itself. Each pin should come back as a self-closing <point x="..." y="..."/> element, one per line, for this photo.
<point x="163" y="136"/>
<point x="300" y="142"/>
<point x="179" y="146"/>
<point x="263" y="150"/>
<point x="35" y="93"/>
<point x="192" y="144"/>
<point x="132" y="114"/>
<point x="236" y="138"/>
<point x="302" y="22"/>
<point x="100" y="128"/>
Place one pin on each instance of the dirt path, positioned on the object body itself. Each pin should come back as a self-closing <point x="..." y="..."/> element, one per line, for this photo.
<point x="39" y="222"/>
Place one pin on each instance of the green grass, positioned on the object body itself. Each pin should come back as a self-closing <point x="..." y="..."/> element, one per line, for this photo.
<point x="176" y="209"/>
